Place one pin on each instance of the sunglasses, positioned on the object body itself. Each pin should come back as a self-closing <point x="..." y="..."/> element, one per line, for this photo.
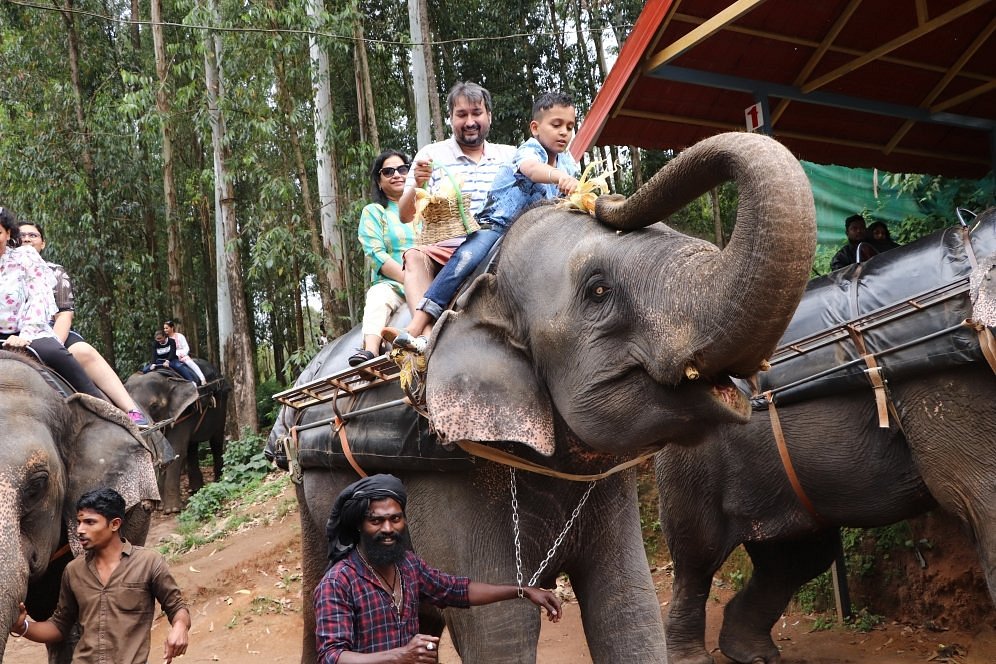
<point x="389" y="171"/>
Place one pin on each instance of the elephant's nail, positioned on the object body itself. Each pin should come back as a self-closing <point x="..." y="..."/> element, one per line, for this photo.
<point x="765" y="365"/>
<point x="691" y="373"/>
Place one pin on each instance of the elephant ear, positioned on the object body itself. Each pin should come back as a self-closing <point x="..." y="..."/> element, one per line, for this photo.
<point x="182" y="394"/>
<point x="480" y="384"/>
<point x="102" y="448"/>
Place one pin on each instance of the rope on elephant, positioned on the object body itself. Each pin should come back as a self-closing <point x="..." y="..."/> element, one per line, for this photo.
<point x="508" y="459"/>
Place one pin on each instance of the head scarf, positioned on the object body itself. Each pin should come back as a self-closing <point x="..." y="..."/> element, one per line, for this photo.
<point x="343" y="527"/>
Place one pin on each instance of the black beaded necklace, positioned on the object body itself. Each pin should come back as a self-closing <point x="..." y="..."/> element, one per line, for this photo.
<point x="396" y="591"/>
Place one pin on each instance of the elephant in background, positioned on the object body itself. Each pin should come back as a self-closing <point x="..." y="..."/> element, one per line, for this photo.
<point x="200" y="415"/>
<point x="593" y="342"/>
<point x="53" y="450"/>
<point x="940" y="452"/>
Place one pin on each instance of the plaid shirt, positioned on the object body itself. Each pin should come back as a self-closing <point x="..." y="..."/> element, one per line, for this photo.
<point x="354" y="613"/>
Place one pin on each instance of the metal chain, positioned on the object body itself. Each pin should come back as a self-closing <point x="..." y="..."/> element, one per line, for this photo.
<point x="556" y="543"/>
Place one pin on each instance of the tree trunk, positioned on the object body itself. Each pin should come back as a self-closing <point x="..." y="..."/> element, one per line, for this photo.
<point x="332" y="239"/>
<point x="174" y="234"/>
<point x="136" y="16"/>
<point x="105" y="292"/>
<point x="634" y="158"/>
<point x="237" y="359"/>
<point x="364" y="88"/>
<point x="717" y="219"/>
<point x="285" y="100"/>
<point x="420" y="85"/>
<point x="431" y="83"/>
<point x="558" y="39"/>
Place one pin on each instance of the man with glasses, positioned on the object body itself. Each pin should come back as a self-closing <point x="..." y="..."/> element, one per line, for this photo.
<point x="367" y="603"/>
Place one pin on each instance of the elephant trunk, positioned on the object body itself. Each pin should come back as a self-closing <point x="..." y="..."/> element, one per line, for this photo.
<point x="745" y="294"/>
<point x="13" y="580"/>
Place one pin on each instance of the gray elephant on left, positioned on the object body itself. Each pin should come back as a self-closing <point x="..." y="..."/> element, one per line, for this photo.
<point x="199" y="415"/>
<point x="52" y="450"/>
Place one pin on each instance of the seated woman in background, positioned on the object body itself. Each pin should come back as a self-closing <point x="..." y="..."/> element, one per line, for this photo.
<point x="878" y="235"/>
<point x="164" y="355"/>
<point x="27" y="304"/>
<point x="384" y="239"/>
<point x="183" y="351"/>
<point x="93" y="363"/>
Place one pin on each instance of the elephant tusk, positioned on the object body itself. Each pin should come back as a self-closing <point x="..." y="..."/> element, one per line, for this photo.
<point x="691" y="373"/>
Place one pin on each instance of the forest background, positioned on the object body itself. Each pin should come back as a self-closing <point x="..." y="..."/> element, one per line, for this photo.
<point x="156" y="141"/>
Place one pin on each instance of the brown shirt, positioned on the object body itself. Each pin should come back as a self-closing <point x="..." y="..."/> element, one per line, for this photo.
<point x="116" y="618"/>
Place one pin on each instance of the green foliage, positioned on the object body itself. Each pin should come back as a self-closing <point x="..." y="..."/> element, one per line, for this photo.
<point x="266" y="407"/>
<point x="244" y="467"/>
<point x="864" y="620"/>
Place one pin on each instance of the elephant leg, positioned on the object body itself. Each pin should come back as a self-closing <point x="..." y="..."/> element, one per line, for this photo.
<point x="195" y="478"/>
<point x="171" y="499"/>
<point x="218" y="451"/>
<point x="779" y="569"/>
<point x="612" y="581"/>
<point x="686" y="620"/>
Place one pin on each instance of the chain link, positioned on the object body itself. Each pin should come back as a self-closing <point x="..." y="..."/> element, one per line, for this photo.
<point x="556" y="543"/>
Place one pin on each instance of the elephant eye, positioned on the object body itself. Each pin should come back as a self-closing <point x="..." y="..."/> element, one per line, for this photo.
<point x="35" y="486"/>
<point x="598" y="290"/>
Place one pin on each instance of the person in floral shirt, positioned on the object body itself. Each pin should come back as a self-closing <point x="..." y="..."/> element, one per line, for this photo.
<point x="27" y="305"/>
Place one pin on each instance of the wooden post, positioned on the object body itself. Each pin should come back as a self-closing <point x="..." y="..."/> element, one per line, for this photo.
<point x="841" y="597"/>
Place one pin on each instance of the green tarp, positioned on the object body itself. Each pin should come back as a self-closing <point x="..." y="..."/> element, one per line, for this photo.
<point x="840" y="192"/>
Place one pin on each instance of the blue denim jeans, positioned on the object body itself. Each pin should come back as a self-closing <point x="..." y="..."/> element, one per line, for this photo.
<point x="460" y="266"/>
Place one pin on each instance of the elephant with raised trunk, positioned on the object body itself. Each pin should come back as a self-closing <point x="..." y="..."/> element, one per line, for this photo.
<point x="939" y="449"/>
<point x="199" y="415"/>
<point x="53" y="450"/>
<point x="590" y="342"/>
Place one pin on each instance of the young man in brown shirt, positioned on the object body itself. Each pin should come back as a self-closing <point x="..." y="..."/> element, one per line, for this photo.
<point x="111" y="591"/>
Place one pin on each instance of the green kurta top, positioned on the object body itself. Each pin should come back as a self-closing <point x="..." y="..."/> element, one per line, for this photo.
<point x="383" y="235"/>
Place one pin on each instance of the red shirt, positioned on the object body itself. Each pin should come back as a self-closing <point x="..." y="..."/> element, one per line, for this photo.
<point x="354" y="613"/>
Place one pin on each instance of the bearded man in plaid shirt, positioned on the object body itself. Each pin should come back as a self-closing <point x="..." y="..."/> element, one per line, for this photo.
<point x="366" y="606"/>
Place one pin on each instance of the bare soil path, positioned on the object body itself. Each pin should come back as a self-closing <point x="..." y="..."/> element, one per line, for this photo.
<point x="245" y="594"/>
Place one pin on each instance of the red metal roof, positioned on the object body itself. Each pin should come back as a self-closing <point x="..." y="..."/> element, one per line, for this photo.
<point x="900" y="85"/>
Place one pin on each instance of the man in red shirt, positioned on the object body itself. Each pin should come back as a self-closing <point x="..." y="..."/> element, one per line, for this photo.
<point x="366" y="606"/>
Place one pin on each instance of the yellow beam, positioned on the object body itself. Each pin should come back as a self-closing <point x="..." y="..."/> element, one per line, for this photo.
<point x="701" y="33"/>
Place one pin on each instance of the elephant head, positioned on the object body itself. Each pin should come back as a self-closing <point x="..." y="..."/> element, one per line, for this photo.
<point x="162" y="396"/>
<point x="621" y="328"/>
<point x="52" y="450"/>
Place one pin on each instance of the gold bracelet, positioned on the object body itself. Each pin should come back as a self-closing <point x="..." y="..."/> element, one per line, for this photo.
<point x="27" y="624"/>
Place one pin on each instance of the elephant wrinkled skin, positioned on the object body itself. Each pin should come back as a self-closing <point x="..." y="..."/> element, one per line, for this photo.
<point x="586" y="347"/>
<point x="854" y="473"/>
<point x="52" y="451"/>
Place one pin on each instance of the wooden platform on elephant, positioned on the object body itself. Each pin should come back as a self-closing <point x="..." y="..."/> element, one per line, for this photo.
<point x="348" y="382"/>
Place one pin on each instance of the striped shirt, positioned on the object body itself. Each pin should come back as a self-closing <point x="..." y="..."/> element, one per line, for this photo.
<point x="383" y="235"/>
<point x="477" y="177"/>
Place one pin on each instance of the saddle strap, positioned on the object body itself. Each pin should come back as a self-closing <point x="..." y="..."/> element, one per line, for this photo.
<point x="340" y="428"/>
<point x="988" y="345"/>
<point x="783" y="453"/>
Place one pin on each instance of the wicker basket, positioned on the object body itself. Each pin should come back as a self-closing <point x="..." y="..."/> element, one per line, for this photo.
<point x="441" y="219"/>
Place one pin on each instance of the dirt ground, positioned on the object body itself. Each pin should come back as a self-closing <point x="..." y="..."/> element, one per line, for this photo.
<point x="245" y="594"/>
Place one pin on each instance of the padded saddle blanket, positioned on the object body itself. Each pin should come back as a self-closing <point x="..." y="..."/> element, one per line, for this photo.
<point x="393" y="439"/>
<point x="891" y="305"/>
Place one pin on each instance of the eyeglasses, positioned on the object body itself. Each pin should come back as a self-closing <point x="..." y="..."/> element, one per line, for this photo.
<point x="31" y="236"/>
<point x="389" y="171"/>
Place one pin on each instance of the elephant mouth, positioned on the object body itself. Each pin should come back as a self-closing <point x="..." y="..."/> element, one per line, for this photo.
<point x="729" y="398"/>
